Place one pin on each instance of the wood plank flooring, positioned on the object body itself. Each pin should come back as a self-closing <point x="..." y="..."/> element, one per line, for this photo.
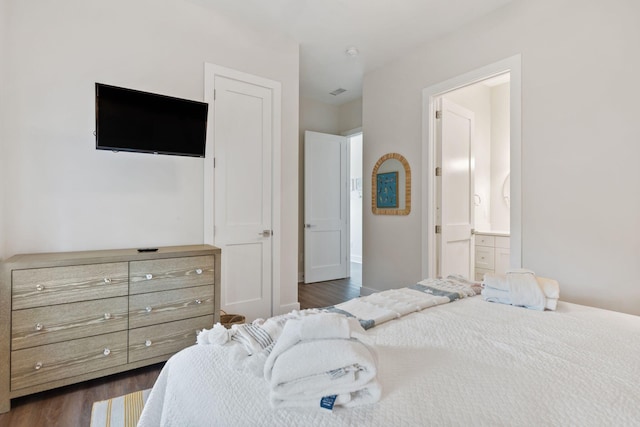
<point x="71" y="406"/>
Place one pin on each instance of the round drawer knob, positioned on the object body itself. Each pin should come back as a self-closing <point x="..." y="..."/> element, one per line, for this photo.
<point x="106" y="352"/>
<point x="39" y="326"/>
<point x="198" y="301"/>
<point x="199" y="271"/>
<point x="148" y="309"/>
<point x="148" y="343"/>
<point x="40" y="288"/>
<point x="149" y="276"/>
<point x="107" y="316"/>
<point x="37" y="366"/>
<point x="107" y="280"/>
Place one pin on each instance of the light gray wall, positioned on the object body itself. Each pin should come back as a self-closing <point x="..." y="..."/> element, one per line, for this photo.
<point x="61" y="193"/>
<point x="581" y="207"/>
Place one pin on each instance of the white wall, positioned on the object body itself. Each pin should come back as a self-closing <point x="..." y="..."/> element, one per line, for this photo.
<point x="580" y="225"/>
<point x="62" y="194"/>
<point x="4" y="22"/>
<point x="350" y="115"/>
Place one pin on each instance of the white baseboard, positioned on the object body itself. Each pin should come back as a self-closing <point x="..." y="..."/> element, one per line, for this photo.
<point x="288" y="308"/>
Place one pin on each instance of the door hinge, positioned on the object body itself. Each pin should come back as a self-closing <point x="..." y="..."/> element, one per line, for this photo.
<point x="438" y="171"/>
<point x="214" y="162"/>
<point x="438" y="114"/>
<point x="214" y="94"/>
<point x="438" y="229"/>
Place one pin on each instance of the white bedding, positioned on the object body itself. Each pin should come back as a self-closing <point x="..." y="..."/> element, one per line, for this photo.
<point x="469" y="362"/>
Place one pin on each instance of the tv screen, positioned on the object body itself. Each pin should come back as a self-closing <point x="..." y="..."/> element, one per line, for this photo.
<point x="131" y="120"/>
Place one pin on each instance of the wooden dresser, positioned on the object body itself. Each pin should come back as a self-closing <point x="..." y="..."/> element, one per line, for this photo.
<point x="70" y="317"/>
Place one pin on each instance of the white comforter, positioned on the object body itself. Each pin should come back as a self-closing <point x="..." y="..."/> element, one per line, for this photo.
<point x="466" y="363"/>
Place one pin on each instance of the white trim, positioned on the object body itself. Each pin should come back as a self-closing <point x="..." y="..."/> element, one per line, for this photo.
<point x="513" y="65"/>
<point x="210" y="72"/>
<point x="288" y="308"/>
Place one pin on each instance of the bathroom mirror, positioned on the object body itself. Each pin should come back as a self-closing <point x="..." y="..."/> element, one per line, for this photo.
<point x="391" y="186"/>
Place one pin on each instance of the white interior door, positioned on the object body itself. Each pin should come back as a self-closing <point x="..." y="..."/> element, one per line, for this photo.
<point x="455" y="208"/>
<point x="325" y="207"/>
<point x="243" y="141"/>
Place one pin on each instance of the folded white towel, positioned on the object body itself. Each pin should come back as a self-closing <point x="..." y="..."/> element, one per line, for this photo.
<point x="522" y="288"/>
<point x="550" y="287"/>
<point x="525" y="291"/>
<point x="495" y="281"/>
<point x="502" y="297"/>
<point x="315" y="357"/>
<point x="317" y="368"/>
<point x="369" y="393"/>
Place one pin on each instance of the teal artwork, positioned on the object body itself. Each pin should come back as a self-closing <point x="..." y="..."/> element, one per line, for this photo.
<point x="387" y="186"/>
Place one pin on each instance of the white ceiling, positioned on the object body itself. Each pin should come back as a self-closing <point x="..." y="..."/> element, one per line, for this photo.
<point x="381" y="30"/>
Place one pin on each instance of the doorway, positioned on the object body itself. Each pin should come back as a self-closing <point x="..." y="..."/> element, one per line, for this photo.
<point x="333" y="196"/>
<point x="247" y="115"/>
<point x="431" y="177"/>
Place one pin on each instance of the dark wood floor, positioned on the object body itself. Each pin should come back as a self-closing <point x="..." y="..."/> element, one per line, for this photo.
<point x="71" y="406"/>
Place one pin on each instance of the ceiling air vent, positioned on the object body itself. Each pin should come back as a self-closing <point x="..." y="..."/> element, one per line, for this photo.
<point x="337" y="91"/>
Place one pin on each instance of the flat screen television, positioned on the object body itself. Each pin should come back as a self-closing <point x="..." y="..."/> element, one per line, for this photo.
<point x="131" y="120"/>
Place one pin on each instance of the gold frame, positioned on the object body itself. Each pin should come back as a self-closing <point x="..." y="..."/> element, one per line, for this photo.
<point x="407" y="187"/>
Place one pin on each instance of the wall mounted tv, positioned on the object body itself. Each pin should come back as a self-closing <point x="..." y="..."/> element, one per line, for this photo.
<point x="131" y="120"/>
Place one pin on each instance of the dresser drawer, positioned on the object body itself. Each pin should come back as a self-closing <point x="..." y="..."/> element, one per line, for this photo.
<point x="483" y="240"/>
<point x="170" y="273"/>
<point x="47" y="325"/>
<point x="39" y="365"/>
<point x="58" y="285"/>
<point x="166" y="306"/>
<point x="484" y="257"/>
<point x="166" y="338"/>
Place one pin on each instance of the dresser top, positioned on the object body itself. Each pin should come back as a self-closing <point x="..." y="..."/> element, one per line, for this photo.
<point x="55" y="259"/>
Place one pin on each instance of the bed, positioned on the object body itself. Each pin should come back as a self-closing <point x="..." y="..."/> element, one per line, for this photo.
<point x="468" y="362"/>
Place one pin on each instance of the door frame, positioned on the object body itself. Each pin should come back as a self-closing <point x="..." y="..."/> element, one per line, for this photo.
<point x="513" y="65"/>
<point x="210" y="73"/>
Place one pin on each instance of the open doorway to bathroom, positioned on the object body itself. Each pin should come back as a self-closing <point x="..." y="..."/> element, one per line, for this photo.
<point x="506" y="189"/>
<point x="355" y="220"/>
<point x="487" y="103"/>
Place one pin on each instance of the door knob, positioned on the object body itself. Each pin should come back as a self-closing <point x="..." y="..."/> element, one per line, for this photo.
<point x="266" y="233"/>
<point x="308" y="225"/>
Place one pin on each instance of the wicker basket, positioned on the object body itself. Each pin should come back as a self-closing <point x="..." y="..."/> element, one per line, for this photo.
<point x="231" y="319"/>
